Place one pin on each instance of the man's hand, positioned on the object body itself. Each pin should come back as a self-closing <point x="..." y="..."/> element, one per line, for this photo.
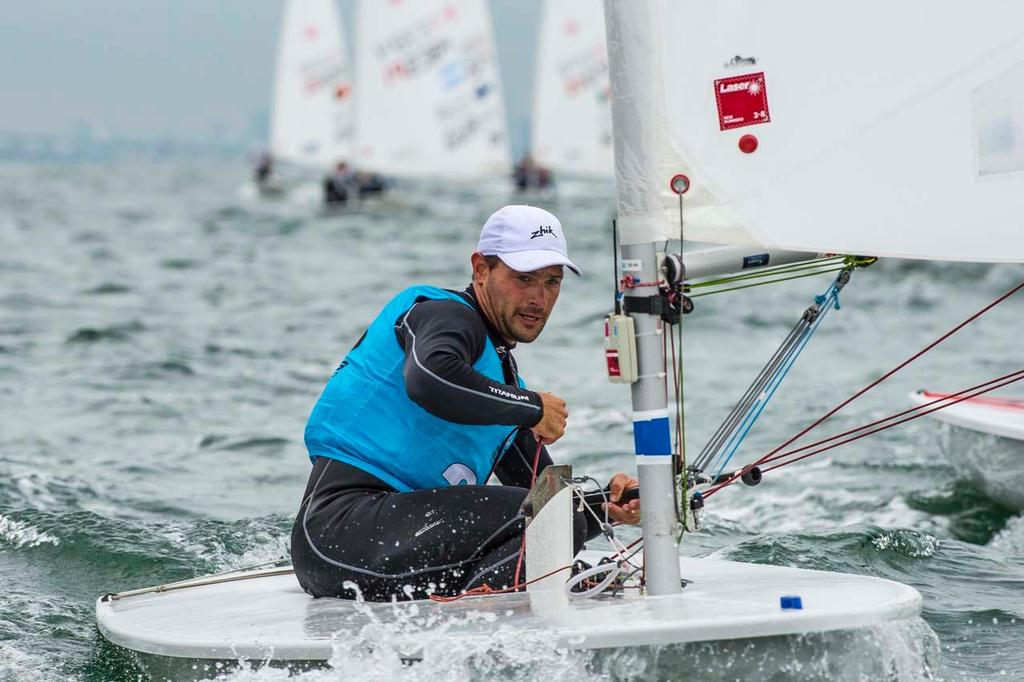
<point x="629" y="512"/>
<point x="552" y="424"/>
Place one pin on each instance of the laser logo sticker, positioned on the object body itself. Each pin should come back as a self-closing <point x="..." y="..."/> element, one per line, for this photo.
<point x="742" y="101"/>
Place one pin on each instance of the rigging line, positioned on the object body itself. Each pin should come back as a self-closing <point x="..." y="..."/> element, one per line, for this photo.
<point x="487" y="589"/>
<point x="753" y="390"/>
<point x="680" y="407"/>
<point x="983" y="387"/>
<point x="533" y="479"/>
<point x="830" y="299"/>
<point x="771" y="281"/>
<point x="874" y="383"/>
<point x="1020" y="376"/>
<point x="769" y="272"/>
<point x="606" y="527"/>
<point x="679" y="482"/>
<point x="892" y="417"/>
<point x="846" y="261"/>
<point x="681" y="475"/>
<point x="776" y="269"/>
<point x="681" y="400"/>
<point x="780" y="362"/>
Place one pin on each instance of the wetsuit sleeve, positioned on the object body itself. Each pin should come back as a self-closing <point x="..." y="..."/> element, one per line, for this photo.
<point x="442" y="340"/>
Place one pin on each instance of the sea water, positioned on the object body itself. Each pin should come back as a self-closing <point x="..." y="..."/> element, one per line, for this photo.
<point x="164" y="334"/>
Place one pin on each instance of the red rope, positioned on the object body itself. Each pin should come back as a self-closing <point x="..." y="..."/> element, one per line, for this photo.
<point x="487" y="589"/>
<point x="533" y="479"/>
<point x="675" y="380"/>
<point x="864" y="390"/>
<point x="1005" y="381"/>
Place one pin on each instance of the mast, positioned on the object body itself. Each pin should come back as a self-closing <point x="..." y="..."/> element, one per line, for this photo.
<point x="634" y="56"/>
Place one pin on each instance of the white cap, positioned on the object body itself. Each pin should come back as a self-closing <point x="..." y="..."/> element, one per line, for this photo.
<point x="525" y="238"/>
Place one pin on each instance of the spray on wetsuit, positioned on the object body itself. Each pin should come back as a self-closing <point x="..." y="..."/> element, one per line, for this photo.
<point x="399" y="538"/>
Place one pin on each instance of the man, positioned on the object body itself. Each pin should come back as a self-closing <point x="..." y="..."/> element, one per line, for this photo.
<point x="425" y="407"/>
<point x="340" y="185"/>
<point x="528" y="176"/>
<point x="264" y="169"/>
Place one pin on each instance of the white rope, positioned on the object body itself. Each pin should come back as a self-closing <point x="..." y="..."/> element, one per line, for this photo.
<point x="611" y="570"/>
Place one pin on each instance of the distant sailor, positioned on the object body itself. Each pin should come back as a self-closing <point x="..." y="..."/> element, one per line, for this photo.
<point x="424" y="409"/>
<point x="340" y="185"/>
<point x="345" y="184"/>
<point x="264" y="169"/>
<point x="528" y="175"/>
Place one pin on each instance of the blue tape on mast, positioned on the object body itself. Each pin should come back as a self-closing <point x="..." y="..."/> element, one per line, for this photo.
<point x="652" y="437"/>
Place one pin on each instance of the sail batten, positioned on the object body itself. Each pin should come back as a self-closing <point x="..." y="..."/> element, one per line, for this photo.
<point x="818" y="127"/>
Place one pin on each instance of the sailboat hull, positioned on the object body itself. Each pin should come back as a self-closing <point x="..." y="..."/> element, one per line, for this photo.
<point x="265" y="616"/>
<point x="984" y="439"/>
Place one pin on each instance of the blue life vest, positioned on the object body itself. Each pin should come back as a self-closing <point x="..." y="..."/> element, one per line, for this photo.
<point x="364" y="416"/>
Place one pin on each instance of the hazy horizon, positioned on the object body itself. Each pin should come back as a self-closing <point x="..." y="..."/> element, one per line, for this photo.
<point x="188" y="70"/>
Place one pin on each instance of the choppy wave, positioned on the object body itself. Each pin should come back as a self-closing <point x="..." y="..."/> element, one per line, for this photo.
<point x="21" y="534"/>
<point x="162" y="340"/>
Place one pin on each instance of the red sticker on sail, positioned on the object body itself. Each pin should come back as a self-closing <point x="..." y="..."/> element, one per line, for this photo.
<point x="742" y="101"/>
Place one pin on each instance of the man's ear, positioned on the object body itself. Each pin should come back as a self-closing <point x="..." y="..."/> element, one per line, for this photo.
<point x="479" y="267"/>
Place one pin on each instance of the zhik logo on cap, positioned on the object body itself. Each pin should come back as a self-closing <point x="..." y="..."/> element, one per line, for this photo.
<point x="510" y="234"/>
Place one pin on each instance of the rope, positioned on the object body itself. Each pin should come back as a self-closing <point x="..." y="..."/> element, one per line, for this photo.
<point x="808" y="269"/>
<point x="771" y="271"/>
<point x="487" y="589"/>
<point x="533" y="479"/>
<point x="740" y="421"/>
<point x="771" y="281"/>
<point x="865" y="389"/>
<point x="959" y="396"/>
<point x="230" y="576"/>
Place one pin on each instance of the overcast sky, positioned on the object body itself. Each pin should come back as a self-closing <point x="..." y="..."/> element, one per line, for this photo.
<point x="191" y="68"/>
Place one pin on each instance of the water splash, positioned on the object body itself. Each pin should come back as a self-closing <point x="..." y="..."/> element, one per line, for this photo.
<point x="21" y="534"/>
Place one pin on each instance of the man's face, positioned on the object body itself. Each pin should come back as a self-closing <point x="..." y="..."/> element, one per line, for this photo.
<point x="517" y="303"/>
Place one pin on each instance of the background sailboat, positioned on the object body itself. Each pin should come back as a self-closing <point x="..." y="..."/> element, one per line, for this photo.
<point x="572" y="118"/>
<point x="983" y="438"/>
<point x="430" y="97"/>
<point x="312" y="113"/>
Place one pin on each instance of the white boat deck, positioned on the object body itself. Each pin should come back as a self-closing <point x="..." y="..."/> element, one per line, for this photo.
<point x="266" y="615"/>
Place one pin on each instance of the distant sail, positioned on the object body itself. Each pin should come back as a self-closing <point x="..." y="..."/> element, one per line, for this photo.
<point x="869" y="128"/>
<point x="430" y="98"/>
<point x="312" y="113"/>
<point x="572" y="116"/>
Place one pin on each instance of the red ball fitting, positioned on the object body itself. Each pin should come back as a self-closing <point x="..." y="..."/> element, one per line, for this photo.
<point x="748" y="144"/>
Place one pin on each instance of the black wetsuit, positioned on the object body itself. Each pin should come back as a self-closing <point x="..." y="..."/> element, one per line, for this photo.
<point x="353" y="529"/>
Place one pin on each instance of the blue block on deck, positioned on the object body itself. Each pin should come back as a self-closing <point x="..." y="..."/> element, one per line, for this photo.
<point x="791" y="601"/>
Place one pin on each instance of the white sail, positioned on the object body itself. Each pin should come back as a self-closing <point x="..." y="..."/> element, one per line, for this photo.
<point x="430" y="101"/>
<point x="881" y="129"/>
<point x="572" y="122"/>
<point x="312" y="112"/>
